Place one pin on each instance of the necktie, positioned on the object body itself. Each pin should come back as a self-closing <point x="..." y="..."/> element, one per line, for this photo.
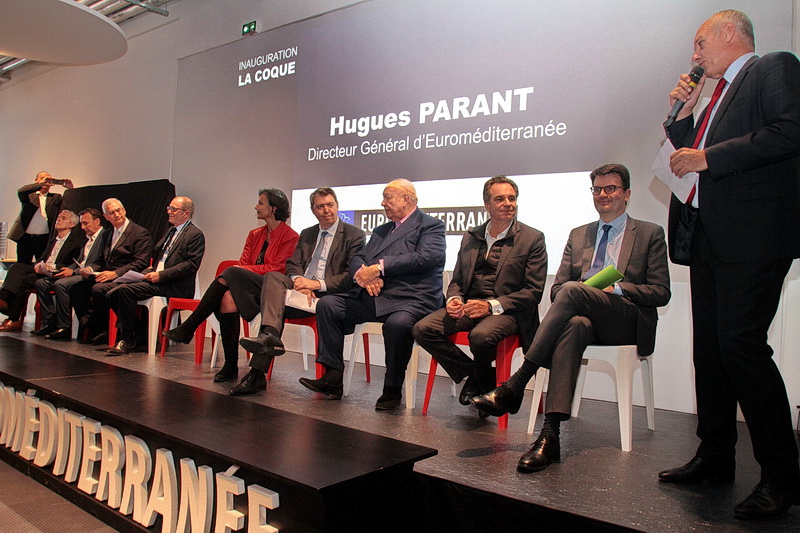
<point x="260" y="260"/>
<point x="600" y="256"/>
<point x="701" y="131"/>
<point x="313" y="265"/>
<point x="167" y="244"/>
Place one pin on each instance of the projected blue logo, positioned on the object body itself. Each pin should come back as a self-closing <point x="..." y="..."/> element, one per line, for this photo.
<point x="347" y="216"/>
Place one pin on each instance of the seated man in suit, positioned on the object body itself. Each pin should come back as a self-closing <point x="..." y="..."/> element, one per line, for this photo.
<point x="65" y="243"/>
<point x="128" y="247"/>
<point x="52" y="292"/>
<point x="175" y="260"/>
<point x="622" y="313"/>
<point x="496" y="287"/>
<point x="318" y="266"/>
<point x="399" y="278"/>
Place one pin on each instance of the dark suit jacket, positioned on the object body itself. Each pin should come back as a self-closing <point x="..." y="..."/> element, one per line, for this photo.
<point x="643" y="262"/>
<point x="347" y="241"/>
<point x="22" y="277"/>
<point x="95" y="253"/>
<point x="521" y="274"/>
<point x="749" y="197"/>
<point x="180" y="268"/>
<point x="413" y="258"/>
<point x="52" y="207"/>
<point x="132" y="252"/>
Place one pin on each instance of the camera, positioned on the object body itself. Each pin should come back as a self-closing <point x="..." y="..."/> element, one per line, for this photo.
<point x="54" y="181"/>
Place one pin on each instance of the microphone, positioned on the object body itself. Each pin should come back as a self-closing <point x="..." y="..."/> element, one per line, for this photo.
<point x="696" y="73"/>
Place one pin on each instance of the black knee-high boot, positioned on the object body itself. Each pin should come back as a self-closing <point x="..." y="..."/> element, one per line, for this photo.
<point x="208" y="304"/>
<point x="229" y="338"/>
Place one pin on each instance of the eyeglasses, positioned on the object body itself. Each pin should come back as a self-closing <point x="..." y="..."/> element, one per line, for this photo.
<point x="610" y="189"/>
<point x="117" y="211"/>
<point x="171" y="209"/>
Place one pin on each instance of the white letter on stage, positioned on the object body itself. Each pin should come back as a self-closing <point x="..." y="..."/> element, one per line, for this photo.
<point x="197" y="493"/>
<point x="164" y="493"/>
<point x="228" y="486"/>
<point x="91" y="455"/>
<point x="28" y="451"/>
<point x="259" y="500"/>
<point x="109" y="485"/>
<point x="74" y="422"/>
<point x="48" y="434"/>
<point x="137" y="472"/>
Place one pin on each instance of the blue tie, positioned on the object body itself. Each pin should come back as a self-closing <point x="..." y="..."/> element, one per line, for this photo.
<point x="600" y="256"/>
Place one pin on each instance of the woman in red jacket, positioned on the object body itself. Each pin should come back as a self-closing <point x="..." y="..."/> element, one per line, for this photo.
<point x="237" y="291"/>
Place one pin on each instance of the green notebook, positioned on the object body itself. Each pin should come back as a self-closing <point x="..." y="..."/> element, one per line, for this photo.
<point x="605" y="278"/>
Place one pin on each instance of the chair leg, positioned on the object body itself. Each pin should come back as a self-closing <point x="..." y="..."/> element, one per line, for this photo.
<point x="538" y="392"/>
<point x="411" y="377"/>
<point x="199" y="343"/>
<point x="112" y="328"/>
<point x="365" y="344"/>
<point x="626" y="363"/>
<point x="429" y="386"/>
<point x="647" y="387"/>
<point x="348" y="371"/>
<point x="576" y="397"/>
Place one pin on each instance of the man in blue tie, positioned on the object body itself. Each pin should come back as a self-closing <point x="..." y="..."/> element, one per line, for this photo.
<point x="622" y="313"/>
<point x="318" y="266"/>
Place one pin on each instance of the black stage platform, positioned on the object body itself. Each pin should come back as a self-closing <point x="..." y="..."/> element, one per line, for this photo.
<point x="470" y="485"/>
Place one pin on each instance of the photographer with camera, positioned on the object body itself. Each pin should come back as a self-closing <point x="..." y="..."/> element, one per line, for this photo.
<point x="40" y="207"/>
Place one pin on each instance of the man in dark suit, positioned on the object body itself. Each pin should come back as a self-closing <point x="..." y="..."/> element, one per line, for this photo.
<point x="128" y="247"/>
<point x="39" y="210"/>
<point x="399" y="278"/>
<point x="175" y="260"/>
<point x="52" y="292"/>
<point x="318" y="266"/>
<point x="622" y="313"/>
<point x="64" y="245"/>
<point x="496" y="287"/>
<point x="745" y="237"/>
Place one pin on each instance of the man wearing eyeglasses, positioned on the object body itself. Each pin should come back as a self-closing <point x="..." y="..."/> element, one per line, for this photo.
<point x="622" y="313"/>
<point x="174" y="264"/>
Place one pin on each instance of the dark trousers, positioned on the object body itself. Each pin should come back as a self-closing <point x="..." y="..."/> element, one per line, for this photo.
<point x="274" y="311"/>
<point x="484" y="335"/>
<point x="338" y="314"/>
<point x="733" y="305"/>
<point x="30" y="247"/>
<point x="123" y="297"/>
<point x="579" y="316"/>
<point x="55" y="307"/>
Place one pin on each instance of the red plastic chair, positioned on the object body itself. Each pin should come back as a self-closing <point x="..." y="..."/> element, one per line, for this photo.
<point x="190" y="304"/>
<point x="505" y="354"/>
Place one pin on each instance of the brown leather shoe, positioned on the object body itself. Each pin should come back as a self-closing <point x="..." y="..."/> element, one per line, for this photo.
<point x="11" y="325"/>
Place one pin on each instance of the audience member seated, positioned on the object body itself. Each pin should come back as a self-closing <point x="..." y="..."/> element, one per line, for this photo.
<point x="236" y="293"/>
<point x="495" y="291"/>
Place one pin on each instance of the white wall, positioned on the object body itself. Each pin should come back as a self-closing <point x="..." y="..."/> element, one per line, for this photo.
<point x="113" y="123"/>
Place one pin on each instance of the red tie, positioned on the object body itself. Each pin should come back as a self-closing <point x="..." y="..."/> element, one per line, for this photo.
<point x="707" y="114"/>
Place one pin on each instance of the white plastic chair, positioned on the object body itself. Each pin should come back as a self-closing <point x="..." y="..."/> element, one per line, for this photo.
<point x="622" y="361"/>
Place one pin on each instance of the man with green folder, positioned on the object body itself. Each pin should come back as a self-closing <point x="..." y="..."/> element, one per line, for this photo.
<point x="619" y="311"/>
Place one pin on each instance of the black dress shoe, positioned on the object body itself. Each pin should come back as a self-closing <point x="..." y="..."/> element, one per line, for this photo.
<point x="699" y="469"/>
<point x="767" y="501"/>
<point x="46" y="330"/>
<point x="121" y="348"/>
<point x="179" y="334"/>
<point x="330" y="385"/>
<point x="546" y="450"/>
<point x="265" y="343"/>
<point x="389" y="399"/>
<point x="470" y="390"/>
<point x="59" y="334"/>
<point x="254" y="381"/>
<point x="227" y="373"/>
<point x="498" y="402"/>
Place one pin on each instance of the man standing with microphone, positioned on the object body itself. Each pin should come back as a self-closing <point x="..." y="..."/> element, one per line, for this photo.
<point x="738" y="233"/>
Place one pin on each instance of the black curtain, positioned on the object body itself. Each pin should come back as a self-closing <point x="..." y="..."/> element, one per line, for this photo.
<point x="145" y="202"/>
